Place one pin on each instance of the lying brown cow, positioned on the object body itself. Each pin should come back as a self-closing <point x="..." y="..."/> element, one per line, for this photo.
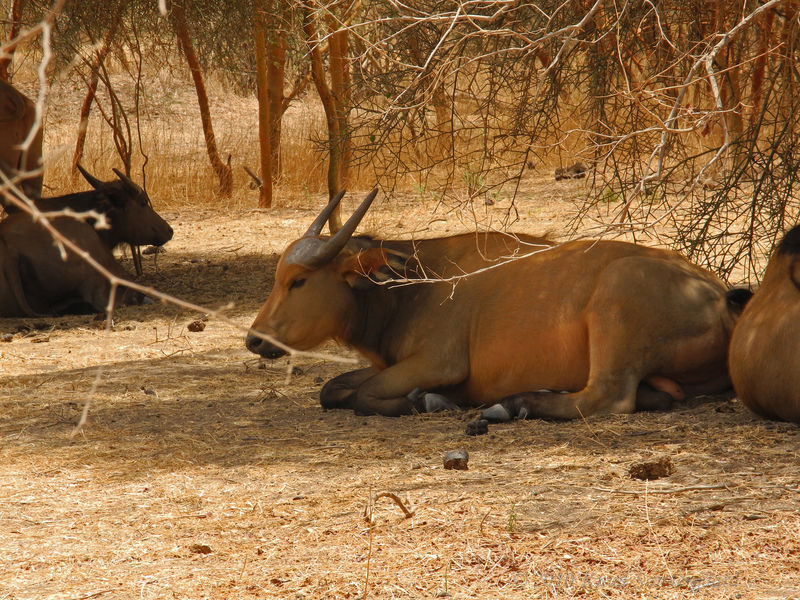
<point x="17" y="118"/>
<point x="612" y="324"/>
<point x="37" y="281"/>
<point x="130" y="215"/>
<point x="764" y="357"/>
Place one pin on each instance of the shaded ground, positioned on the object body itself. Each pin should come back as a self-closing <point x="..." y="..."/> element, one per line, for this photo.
<point x="202" y="475"/>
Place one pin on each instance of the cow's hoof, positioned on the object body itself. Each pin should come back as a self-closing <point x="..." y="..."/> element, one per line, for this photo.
<point x="478" y="427"/>
<point x="497" y="413"/>
<point x="437" y="402"/>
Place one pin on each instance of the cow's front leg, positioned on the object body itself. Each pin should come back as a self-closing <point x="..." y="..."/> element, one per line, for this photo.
<point x="387" y="393"/>
<point x="339" y="391"/>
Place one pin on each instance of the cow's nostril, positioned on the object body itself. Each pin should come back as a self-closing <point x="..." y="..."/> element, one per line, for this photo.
<point x="262" y="347"/>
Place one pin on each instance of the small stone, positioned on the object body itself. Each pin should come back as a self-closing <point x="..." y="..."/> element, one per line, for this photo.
<point x="456" y="459"/>
<point x="652" y="468"/>
<point x="478" y="427"/>
<point x="7" y="337"/>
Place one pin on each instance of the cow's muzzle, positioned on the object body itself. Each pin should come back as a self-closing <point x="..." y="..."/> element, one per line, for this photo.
<point x="260" y="346"/>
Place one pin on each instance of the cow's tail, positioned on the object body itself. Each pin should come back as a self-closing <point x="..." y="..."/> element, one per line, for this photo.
<point x="11" y="270"/>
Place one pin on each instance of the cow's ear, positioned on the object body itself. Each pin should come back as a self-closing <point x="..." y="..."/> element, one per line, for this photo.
<point x="371" y="267"/>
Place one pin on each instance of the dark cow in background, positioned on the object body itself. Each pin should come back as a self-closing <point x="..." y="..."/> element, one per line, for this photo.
<point x="127" y="207"/>
<point x="17" y="118"/>
<point x="764" y="357"/>
<point x="612" y="326"/>
<point x="37" y="280"/>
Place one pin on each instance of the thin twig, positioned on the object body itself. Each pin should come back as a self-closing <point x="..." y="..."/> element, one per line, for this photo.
<point x="408" y="513"/>
<point x="688" y="488"/>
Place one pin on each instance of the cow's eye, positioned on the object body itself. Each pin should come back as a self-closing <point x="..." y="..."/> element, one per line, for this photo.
<point x="296" y="283"/>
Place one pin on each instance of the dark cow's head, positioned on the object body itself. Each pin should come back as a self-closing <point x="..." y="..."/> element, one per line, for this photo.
<point x="129" y="212"/>
<point x="313" y="296"/>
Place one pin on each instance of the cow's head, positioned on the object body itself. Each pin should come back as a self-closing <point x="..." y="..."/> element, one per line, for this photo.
<point x="787" y="256"/>
<point x="314" y="297"/>
<point x="129" y="211"/>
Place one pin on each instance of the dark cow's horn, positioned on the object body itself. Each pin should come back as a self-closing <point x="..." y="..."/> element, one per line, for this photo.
<point x="127" y="180"/>
<point x="93" y="181"/>
<point x="316" y="227"/>
<point x="333" y="246"/>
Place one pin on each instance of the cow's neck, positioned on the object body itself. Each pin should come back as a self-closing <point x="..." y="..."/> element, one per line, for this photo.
<point x="377" y="325"/>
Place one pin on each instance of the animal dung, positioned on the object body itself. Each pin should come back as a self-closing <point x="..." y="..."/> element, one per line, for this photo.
<point x="652" y="468"/>
<point x="196" y="326"/>
<point x="478" y="427"/>
<point x="456" y="459"/>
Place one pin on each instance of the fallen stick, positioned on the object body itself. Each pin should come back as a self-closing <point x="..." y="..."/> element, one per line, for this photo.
<point x="688" y="488"/>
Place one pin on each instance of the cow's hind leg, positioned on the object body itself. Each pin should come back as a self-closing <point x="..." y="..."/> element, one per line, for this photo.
<point x="616" y="397"/>
<point x="613" y="379"/>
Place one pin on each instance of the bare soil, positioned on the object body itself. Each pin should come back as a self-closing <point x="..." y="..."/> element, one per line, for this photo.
<point x="203" y="473"/>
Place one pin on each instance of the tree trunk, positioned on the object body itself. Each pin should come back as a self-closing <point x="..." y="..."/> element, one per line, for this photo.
<point x="14" y="18"/>
<point x="222" y="171"/>
<point x="335" y="100"/>
<point x="276" y="68"/>
<point x="264" y="129"/>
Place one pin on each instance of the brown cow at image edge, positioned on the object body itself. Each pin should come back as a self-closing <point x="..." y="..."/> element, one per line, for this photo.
<point x="17" y="119"/>
<point x="764" y="358"/>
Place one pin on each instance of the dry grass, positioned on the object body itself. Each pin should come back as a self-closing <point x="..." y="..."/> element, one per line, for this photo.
<point x="201" y="475"/>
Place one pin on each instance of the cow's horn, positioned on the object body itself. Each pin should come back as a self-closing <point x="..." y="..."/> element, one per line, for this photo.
<point x="316" y="227"/>
<point x="93" y="181"/>
<point x="334" y="245"/>
<point x="127" y="180"/>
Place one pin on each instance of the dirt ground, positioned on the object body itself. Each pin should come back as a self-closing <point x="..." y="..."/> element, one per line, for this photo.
<point x="202" y="473"/>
